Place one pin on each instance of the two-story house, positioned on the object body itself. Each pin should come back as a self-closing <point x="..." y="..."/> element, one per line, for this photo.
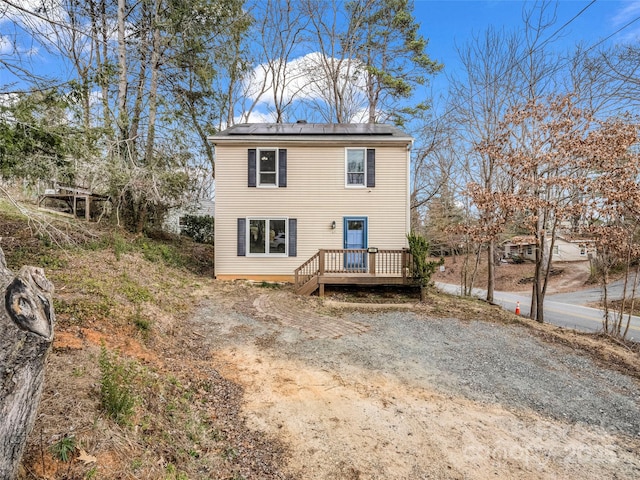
<point x="284" y="192"/>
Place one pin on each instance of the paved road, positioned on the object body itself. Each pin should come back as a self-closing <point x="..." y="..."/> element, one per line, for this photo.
<point x="561" y="310"/>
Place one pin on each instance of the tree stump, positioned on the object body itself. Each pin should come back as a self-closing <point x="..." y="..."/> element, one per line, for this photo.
<point x="26" y="335"/>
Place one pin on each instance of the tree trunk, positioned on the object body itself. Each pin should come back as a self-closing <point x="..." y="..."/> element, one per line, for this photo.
<point x="123" y="81"/>
<point x="491" y="272"/>
<point x="26" y="335"/>
<point x="423" y="293"/>
<point x="153" y="87"/>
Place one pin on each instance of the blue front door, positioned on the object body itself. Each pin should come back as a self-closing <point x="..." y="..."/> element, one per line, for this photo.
<point x="355" y="237"/>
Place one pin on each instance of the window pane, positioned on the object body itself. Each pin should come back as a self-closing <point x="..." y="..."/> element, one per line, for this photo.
<point x="355" y="178"/>
<point x="256" y="236"/>
<point x="267" y="167"/>
<point x="277" y="236"/>
<point x="267" y="178"/>
<point x="355" y="167"/>
<point x="267" y="160"/>
<point x="355" y="225"/>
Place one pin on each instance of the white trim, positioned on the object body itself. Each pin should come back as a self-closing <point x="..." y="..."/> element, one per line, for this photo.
<point x="346" y="168"/>
<point x="407" y="207"/>
<point x="266" y="219"/>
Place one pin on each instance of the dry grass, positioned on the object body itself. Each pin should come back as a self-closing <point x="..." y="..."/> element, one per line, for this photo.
<point x="134" y="297"/>
<point x="131" y="296"/>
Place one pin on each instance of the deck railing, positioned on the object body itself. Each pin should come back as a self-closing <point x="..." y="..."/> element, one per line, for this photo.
<point x="367" y="261"/>
<point x="307" y="270"/>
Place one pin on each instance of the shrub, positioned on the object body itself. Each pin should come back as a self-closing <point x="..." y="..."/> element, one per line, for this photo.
<point x="199" y="227"/>
<point x="422" y="268"/>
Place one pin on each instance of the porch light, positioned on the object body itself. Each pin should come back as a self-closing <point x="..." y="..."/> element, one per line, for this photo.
<point x="333" y="225"/>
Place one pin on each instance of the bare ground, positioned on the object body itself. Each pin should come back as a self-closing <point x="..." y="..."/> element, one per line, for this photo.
<point x="373" y="394"/>
<point x="241" y="382"/>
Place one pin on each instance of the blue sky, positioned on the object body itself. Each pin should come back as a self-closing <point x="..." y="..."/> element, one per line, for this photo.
<point x="450" y="23"/>
<point x="447" y="23"/>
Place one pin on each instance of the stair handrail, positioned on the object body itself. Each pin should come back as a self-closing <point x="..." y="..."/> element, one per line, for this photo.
<point x="302" y="276"/>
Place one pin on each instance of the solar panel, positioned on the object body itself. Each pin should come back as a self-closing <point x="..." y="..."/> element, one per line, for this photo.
<point x="312" y="129"/>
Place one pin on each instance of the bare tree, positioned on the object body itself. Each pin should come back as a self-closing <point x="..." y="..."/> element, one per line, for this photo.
<point x="337" y="89"/>
<point x="433" y="160"/>
<point x="500" y="70"/>
<point x="280" y="31"/>
<point x="145" y="61"/>
<point x="487" y="89"/>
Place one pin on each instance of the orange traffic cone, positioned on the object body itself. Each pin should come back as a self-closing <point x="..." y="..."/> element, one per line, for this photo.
<point x="517" y="308"/>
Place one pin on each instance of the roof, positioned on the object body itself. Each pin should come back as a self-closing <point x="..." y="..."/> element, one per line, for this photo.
<point x="521" y="240"/>
<point x="531" y="240"/>
<point x="312" y="132"/>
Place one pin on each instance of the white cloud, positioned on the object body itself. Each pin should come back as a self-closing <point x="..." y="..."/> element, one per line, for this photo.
<point x="260" y="117"/>
<point x="305" y="80"/>
<point x="5" y="46"/>
<point x="630" y="11"/>
<point x="630" y="36"/>
<point x="296" y="79"/>
<point x="44" y="25"/>
<point x="36" y="13"/>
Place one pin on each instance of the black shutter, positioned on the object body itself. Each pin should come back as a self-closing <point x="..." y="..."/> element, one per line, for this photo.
<point x="242" y="236"/>
<point x="371" y="167"/>
<point x="252" y="167"/>
<point x="293" y="237"/>
<point x="282" y="167"/>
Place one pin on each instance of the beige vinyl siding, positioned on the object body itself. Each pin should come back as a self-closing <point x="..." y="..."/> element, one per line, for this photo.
<point x="316" y="196"/>
<point x="570" y="251"/>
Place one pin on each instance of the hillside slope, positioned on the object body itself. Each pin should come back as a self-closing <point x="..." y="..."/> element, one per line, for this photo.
<point x="158" y="371"/>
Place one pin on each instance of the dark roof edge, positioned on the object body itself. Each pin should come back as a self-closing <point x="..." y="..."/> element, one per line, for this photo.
<point x="311" y="130"/>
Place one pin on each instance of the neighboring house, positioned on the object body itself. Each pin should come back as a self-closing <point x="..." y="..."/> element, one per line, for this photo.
<point x="285" y="191"/>
<point x="174" y="222"/>
<point x="565" y="249"/>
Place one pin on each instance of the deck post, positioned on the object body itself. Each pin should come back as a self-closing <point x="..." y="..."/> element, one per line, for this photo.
<point x="321" y="267"/>
<point x="404" y="265"/>
<point x="372" y="263"/>
<point x="321" y="262"/>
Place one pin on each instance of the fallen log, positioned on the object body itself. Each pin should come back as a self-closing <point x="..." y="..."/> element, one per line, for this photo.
<point x="26" y="335"/>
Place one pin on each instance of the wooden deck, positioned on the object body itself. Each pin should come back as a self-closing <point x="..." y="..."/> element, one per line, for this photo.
<point x="73" y="202"/>
<point x="353" y="267"/>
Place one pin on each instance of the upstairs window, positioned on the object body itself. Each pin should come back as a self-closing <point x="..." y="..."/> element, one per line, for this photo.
<point x="360" y="167"/>
<point x="355" y="166"/>
<point x="267" y="167"/>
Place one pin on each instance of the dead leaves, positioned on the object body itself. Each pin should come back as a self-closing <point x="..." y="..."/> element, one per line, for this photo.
<point x="85" y="458"/>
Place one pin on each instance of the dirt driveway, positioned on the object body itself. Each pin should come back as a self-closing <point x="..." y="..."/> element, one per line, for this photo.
<point x="405" y="394"/>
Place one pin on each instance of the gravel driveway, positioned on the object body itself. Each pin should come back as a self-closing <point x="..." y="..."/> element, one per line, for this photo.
<point x="398" y="394"/>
